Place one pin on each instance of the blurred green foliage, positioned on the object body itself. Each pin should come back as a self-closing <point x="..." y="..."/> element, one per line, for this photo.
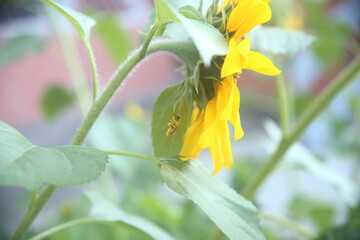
<point x="20" y="46"/>
<point x="55" y="99"/>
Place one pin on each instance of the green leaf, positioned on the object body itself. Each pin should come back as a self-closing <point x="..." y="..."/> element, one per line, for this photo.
<point x="26" y="165"/>
<point x="190" y="12"/>
<point x="233" y="214"/>
<point x="55" y="99"/>
<point x="81" y="22"/>
<point x="208" y="40"/>
<point x="279" y="40"/>
<point x="19" y="47"/>
<point x="169" y="102"/>
<point x="105" y="210"/>
<point x="115" y="38"/>
<point x="164" y="13"/>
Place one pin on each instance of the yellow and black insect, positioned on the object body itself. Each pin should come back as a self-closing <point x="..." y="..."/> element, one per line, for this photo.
<point x="173" y="124"/>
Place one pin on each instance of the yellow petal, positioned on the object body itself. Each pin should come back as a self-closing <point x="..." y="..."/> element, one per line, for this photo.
<point x="191" y="147"/>
<point x="232" y="63"/>
<point x="224" y="96"/>
<point x="260" y="63"/>
<point x="243" y="48"/>
<point x="235" y="116"/>
<point x="247" y="15"/>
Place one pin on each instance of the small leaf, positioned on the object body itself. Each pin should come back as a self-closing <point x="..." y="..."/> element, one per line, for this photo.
<point x="279" y="40"/>
<point x="55" y="99"/>
<point x="169" y="103"/>
<point x="208" y="40"/>
<point x="81" y="22"/>
<point x="104" y="210"/>
<point x="233" y="214"/>
<point x="26" y="165"/>
<point x="164" y="13"/>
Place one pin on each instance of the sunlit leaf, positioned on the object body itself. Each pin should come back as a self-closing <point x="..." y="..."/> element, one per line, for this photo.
<point x="81" y="22"/>
<point x="279" y="40"/>
<point x="26" y="165"/>
<point x="233" y="214"/>
<point x="208" y="40"/>
<point x="168" y="104"/>
<point x="105" y="210"/>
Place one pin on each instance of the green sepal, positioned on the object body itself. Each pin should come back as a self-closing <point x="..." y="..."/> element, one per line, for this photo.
<point x="190" y="12"/>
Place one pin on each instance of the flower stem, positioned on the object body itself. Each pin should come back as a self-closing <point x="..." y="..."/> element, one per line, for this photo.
<point x="134" y="155"/>
<point x="339" y="83"/>
<point x="95" y="110"/>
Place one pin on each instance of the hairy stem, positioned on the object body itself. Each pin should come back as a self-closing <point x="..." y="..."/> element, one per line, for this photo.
<point x="95" y="110"/>
<point x="339" y="83"/>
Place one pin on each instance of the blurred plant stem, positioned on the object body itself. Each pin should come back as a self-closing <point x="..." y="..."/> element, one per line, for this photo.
<point x="348" y="75"/>
<point x="73" y="63"/>
<point x="282" y="99"/>
<point x="133" y="155"/>
<point x="90" y="118"/>
<point x="287" y="223"/>
<point x="60" y="227"/>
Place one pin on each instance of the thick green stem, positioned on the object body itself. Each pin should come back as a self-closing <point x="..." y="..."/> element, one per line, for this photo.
<point x="32" y="211"/>
<point x="95" y="110"/>
<point x="339" y="83"/>
<point x="133" y="155"/>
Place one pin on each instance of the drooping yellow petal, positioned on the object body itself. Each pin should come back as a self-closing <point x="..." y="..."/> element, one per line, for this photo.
<point x="232" y="63"/>
<point x="235" y="116"/>
<point x="191" y="147"/>
<point x="261" y="64"/>
<point x="224" y="96"/>
<point x="243" y="48"/>
<point x="248" y="14"/>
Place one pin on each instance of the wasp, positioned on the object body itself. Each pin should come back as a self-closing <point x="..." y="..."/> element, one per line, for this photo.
<point x="173" y="125"/>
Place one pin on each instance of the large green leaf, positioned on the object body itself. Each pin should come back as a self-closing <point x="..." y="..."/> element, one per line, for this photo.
<point x="81" y="22"/>
<point x="279" y="40"/>
<point x="105" y="210"/>
<point x="26" y="165"/>
<point x="233" y="214"/>
<point x="169" y="103"/>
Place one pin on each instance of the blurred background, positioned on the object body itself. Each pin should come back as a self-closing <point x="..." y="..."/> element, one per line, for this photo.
<point x="44" y="91"/>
